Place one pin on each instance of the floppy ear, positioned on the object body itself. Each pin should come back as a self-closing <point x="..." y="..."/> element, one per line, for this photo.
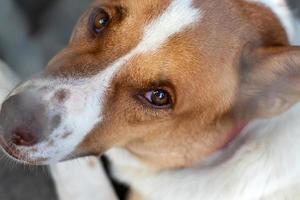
<point x="270" y="82"/>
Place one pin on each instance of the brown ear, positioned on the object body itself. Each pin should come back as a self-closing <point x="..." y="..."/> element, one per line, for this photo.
<point x="270" y="82"/>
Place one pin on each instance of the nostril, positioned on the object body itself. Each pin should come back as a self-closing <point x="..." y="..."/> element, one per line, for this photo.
<point x="23" y="137"/>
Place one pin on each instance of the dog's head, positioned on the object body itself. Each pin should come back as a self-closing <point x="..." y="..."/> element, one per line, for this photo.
<point x="172" y="81"/>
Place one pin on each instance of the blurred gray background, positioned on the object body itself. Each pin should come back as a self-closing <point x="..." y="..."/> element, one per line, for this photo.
<point x="31" y="32"/>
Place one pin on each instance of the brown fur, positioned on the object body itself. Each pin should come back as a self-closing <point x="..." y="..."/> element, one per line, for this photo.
<point x="210" y="69"/>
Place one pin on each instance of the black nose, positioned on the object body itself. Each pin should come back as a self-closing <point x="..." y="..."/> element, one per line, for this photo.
<point x="21" y="120"/>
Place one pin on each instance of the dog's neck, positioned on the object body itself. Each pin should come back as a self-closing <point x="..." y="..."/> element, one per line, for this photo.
<point x="255" y="165"/>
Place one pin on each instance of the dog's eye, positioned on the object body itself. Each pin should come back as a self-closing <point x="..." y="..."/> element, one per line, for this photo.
<point x="158" y="98"/>
<point x="100" y="21"/>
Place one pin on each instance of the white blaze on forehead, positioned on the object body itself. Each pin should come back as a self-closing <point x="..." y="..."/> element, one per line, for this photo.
<point x="176" y="17"/>
<point x="83" y="110"/>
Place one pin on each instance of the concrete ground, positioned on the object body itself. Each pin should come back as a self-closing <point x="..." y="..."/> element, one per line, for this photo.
<point x="22" y="183"/>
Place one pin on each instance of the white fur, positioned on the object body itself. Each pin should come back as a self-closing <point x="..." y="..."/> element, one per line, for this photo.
<point x="82" y="179"/>
<point x="281" y="10"/>
<point x="264" y="164"/>
<point x="66" y="175"/>
<point x="175" y="19"/>
<point x="83" y="110"/>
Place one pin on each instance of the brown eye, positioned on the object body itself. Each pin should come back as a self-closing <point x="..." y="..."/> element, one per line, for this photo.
<point x="158" y="98"/>
<point x="100" y="21"/>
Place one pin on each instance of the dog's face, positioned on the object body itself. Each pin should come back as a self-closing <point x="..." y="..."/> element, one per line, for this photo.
<point x="167" y="80"/>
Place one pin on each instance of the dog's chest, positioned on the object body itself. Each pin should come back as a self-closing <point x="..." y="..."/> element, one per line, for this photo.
<point x="265" y="165"/>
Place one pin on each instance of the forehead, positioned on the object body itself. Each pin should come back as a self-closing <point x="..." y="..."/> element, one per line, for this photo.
<point x="134" y="4"/>
<point x="146" y="26"/>
<point x="145" y="10"/>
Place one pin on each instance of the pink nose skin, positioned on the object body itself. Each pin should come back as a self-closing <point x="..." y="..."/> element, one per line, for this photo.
<point x="23" y="137"/>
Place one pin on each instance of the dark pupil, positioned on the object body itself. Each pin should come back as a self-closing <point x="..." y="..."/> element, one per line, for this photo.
<point x="160" y="98"/>
<point x="101" y="21"/>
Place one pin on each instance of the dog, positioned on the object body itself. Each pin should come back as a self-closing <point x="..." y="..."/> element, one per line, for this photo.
<point x="190" y="99"/>
<point x="66" y="174"/>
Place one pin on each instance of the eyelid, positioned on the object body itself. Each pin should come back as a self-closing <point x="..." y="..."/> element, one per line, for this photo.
<point x="114" y="11"/>
<point x="96" y="9"/>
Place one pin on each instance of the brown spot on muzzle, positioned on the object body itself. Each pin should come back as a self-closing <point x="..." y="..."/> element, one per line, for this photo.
<point x="56" y="120"/>
<point x="66" y="135"/>
<point x="61" y="95"/>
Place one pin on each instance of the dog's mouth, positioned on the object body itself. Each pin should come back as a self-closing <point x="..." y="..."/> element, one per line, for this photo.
<point x="18" y="155"/>
<point x="10" y="148"/>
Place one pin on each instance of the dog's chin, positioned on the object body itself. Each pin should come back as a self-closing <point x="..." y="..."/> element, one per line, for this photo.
<point x="27" y="157"/>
